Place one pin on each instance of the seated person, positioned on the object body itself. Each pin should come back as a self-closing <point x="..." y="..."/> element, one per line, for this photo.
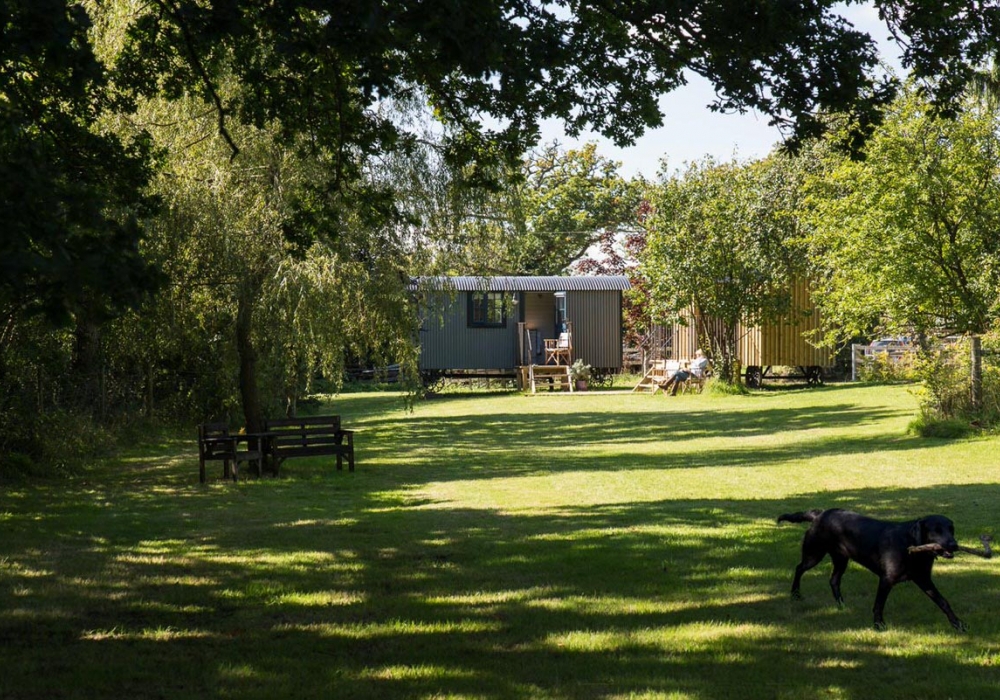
<point x="696" y="369"/>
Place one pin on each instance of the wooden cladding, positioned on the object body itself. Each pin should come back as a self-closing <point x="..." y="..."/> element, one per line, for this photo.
<point x="780" y="343"/>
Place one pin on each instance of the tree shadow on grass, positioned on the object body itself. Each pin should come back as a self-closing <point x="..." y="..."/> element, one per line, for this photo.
<point x="361" y="599"/>
<point x="508" y="444"/>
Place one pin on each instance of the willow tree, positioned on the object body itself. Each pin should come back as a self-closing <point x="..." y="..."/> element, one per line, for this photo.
<point x="279" y="308"/>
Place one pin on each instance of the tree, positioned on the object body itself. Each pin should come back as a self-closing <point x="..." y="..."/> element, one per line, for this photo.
<point x="618" y="252"/>
<point x="719" y="246"/>
<point x="71" y="195"/>
<point x="544" y="215"/>
<point x="908" y="239"/>
<point x="267" y="313"/>
<point x="589" y="63"/>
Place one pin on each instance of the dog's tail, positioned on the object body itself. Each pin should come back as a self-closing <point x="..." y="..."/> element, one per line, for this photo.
<point x="803" y="517"/>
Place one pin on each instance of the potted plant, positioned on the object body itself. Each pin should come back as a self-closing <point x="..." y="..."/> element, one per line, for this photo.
<point x="580" y="373"/>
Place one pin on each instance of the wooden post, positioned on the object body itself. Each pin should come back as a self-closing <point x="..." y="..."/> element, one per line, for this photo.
<point x="977" y="373"/>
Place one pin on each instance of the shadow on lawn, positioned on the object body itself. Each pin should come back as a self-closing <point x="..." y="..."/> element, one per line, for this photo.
<point x="361" y="599"/>
<point x="509" y="444"/>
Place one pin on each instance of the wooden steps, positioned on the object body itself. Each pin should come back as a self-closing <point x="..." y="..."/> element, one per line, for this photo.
<point x="654" y="378"/>
<point x="551" y="377"/>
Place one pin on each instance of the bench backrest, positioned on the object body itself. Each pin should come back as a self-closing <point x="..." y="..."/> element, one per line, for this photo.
<point x="308" y="431"/>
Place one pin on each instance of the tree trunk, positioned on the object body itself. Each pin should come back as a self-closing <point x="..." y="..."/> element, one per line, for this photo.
<point x="249" y="391"/>
<point x="977" y="373"/>
<point x="86" y="363"/>
<point x="150" y="369"/>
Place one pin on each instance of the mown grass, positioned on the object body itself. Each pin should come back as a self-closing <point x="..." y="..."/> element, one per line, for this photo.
<point x="503" y="546"/>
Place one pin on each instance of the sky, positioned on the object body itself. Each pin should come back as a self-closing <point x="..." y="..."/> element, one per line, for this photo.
<point x="691" y="130"/>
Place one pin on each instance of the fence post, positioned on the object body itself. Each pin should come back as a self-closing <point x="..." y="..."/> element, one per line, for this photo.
<point x="977" y="373"/>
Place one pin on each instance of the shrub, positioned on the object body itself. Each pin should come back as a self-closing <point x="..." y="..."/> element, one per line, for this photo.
<point x="16" y="466"/>
<point x="884" y="369"/>
<point x="948" y="428"/>
<point x="56" y="444"/>
<point x="946" y="388"/>
<point x="717" y="387"/>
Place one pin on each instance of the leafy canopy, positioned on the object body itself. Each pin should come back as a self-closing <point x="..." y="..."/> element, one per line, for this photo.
<point x="71" y="195"/>
<point x="909" y="238"/>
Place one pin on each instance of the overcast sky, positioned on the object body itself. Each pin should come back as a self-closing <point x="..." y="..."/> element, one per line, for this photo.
<point x="692" y="131"/>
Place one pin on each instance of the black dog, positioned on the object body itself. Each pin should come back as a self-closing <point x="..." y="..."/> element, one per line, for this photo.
<point x="880" y="547"/>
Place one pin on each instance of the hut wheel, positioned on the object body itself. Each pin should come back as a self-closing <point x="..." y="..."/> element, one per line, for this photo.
<point x="814" y="375"/>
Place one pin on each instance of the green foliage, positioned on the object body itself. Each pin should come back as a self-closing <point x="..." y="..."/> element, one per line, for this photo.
<point x="717" y="387"/>
<point x="719" y="245"/>
<point x="946" y="391"/>
<point x="908" y="238"/>
<point x="72" y="196"/>
<point x="580" y="370"/>
<point x="600" y="66"/>
<point x="946" y="428"/>
<point x="263" y="315"/>
<point x="544" y="214"/>
<point x="58" y="444"/>
<point x="300" y="92"/>
<point x="618" y="252"/>
<point x="883" y="368"/>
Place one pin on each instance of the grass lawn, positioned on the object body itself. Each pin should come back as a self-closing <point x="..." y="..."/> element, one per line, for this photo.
<point x="506" y="546"/>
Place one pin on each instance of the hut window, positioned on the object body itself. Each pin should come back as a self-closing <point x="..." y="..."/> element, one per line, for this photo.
<point x="487" y="310"/>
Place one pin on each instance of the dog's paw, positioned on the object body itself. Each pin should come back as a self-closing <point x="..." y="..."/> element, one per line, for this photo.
<point x="880" y="626"/>
<point x="840" y="603"/>
<point x="960" y="626"/>
<point x="796" y="595"/>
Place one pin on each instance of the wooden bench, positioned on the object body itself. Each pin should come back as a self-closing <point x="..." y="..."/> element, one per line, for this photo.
<point x="216" y="443"/>
<point x="309" y="437"/>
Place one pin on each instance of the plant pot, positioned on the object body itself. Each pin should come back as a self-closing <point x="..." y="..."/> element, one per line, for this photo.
<point x="581" y="384"/>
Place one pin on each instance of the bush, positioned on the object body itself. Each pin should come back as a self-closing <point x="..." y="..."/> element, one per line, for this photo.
<point x="948" y="428"/>
<point x="717" y="387"/>
<point x="56" y="444"/>
<point x="882" y="368"/>
<point x="16" y="466"/>
<point x="946" y="391"/>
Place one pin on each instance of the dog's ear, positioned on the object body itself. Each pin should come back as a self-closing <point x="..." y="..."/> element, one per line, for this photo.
<point x="917" y="532"/>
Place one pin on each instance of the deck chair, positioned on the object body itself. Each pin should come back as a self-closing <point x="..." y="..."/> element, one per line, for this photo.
<point x="697" y="379"/>
<point x="560" y="348"/>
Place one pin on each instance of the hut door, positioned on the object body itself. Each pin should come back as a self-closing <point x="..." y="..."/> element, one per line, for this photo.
<point x="536" y="346"/>
<point x="560" y="312"/>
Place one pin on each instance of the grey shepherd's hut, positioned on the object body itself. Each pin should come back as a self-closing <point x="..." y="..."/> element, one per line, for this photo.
<point x="488" y="326"/>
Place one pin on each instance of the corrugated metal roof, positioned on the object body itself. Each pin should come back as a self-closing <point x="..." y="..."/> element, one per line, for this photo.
<point x="523" y="284"/>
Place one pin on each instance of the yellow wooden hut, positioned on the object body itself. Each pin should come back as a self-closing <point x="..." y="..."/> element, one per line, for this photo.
<point x="775" y="350"/>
